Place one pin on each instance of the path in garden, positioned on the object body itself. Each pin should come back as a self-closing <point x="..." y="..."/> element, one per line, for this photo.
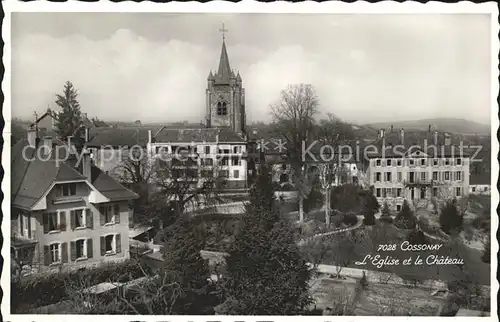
<point x="333" y="232"/>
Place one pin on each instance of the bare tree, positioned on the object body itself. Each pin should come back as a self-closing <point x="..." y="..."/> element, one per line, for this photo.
<point x="332" y="133"/>
<point x="293" y="116"/>
<point x="188" y="184"/>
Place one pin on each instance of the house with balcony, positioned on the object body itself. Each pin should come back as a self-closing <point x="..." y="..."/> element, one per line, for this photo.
<point x="65" y="212"/>
<point x="417" y="169"/>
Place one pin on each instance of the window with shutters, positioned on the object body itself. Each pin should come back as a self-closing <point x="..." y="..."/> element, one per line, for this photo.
<point x="81" y="248"/>
<point x="458" y="175"/>
<point x="110" y="244"/>
<point x="434" y="175"/>
<point x="78" y="216"/>
<point x="235" y="161"/>
<point x="54" y="222"/>
<point x="207" y="149"/>
<point x="399" y="192"/>
<point x="55" y="253"/>
<point x="377" y="192"/>
<point x="110" y="214"/>
<point x="458" y="191"/>
<point x="378" y="162"/>
<point x="446" y="175"/>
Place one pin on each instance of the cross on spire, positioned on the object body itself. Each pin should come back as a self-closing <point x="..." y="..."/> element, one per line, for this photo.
<point x="223" y="31"/>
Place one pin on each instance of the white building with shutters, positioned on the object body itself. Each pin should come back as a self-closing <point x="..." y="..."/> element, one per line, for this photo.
<point x="64" y="214"/>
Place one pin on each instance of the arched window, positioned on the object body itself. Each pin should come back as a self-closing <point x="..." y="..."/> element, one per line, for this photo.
<point x="221" y="108"/>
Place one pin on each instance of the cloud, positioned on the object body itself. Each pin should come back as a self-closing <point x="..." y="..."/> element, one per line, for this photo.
<point x="126" y="76"/>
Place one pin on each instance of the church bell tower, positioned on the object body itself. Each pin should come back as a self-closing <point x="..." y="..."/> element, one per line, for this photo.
<point x="225" y="95"/>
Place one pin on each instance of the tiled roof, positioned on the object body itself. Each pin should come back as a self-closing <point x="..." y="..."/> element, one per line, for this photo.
<point x="120" y="137"/>
<point x="109" y="187"/>
<point x="480" y="178"/>
<point x="32" y="177"/>
<point x="394" y="145"/>
<point x="198" y="135"/>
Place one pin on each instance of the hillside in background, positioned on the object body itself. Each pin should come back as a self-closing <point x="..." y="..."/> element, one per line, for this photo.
<point x="440" y="124"/>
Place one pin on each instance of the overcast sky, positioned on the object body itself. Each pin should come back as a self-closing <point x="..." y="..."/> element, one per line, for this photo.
<point x="153" y="67"/>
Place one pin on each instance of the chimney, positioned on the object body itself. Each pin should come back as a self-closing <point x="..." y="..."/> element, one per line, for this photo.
<point x="87" y="135"/>
<point x="402" y="132"/>
<point x="447" y="139"/>
<point x="32" y="137"/>
<point x="150" y="136"/>
<point x="71" y="145"/>
<point x="86" y="164"/>
<point x="435" y="138"/>
<point x="47" y="145"/>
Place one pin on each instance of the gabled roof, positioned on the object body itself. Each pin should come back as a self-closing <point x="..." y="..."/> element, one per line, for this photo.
<point x="222" y="135"/>
<point x="32" y="177"/>
<point x="109" y="187"/>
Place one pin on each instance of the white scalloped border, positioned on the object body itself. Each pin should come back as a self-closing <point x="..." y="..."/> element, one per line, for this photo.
<point x="246" y="6"/>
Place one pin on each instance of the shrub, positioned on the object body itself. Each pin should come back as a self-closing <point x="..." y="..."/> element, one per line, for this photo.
<point x="41" y="290"/>
<point x="417" y="237"/>
<point x="350" y="219"/>
<point x="386" y="219"/>
<point x="406" y="219"/>
<point x="486" y="257"/>
<point x="386" y="211"/>
<point x="451" y="220"/>
<point x="363" y="281"/>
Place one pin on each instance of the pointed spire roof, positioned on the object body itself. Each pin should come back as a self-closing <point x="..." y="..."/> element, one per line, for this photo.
<point x="224" y="73"/>
<point x="210" y="76"/>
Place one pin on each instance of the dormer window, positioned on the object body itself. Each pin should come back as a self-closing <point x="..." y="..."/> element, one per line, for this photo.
<point x="221" y="108"/>
<point x="67" y="189"/>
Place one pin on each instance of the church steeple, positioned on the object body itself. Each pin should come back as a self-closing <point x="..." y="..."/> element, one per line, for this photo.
<point x="224" y="72"/>
<point x="225" y="95"/>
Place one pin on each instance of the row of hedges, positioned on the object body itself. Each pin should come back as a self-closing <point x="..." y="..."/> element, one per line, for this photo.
<point x="40" y="290"/>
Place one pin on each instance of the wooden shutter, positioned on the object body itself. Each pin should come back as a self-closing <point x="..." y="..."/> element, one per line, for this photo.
<point x="73" y="251"/>
<point x="72" y="219"/>
<point x="62" y="221"/>
<point x="102" y="219"/>
<point x="64" y="252"/>
<point x="29" y="226"/>
<point x="103" y="245"/>
<point x="45" y="219"/>
<point x="118" y="241"/>
<point x="89" y="220"/>
<point x="46" y="255"/>
<point x="90" y="248"/>
<point x="117" y="214"/>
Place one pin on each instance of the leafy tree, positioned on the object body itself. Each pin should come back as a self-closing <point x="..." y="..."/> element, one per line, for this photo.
<point x="69" y="120"/>
<point x="370" y="207"/>
<point x="406" y="218"/>
<point x="183" y="262"/>
<point x="266" y="274"/>
<point x="451" y="220"/>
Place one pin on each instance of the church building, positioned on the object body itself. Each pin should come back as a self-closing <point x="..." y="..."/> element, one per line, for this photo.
<point x="219" y="149"/>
